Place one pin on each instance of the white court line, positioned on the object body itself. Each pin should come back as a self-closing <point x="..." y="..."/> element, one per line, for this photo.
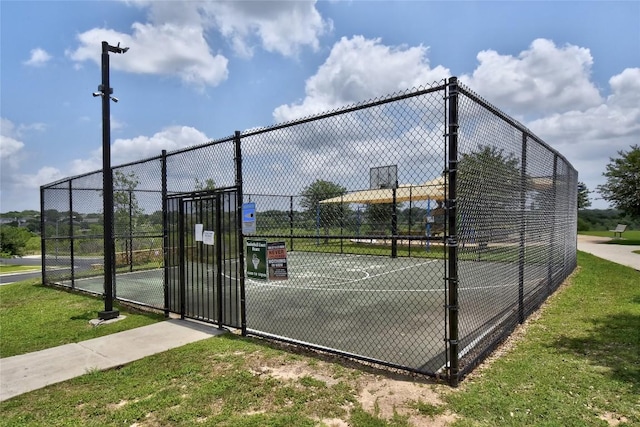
<point x="280" y="285"/>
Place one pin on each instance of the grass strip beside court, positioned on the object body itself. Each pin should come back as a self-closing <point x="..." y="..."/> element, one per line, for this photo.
<point x="34" y="317"/>
<point x="578" y="364"/>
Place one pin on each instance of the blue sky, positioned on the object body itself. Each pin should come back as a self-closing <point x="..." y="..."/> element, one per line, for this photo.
<point x="197" y="71"/>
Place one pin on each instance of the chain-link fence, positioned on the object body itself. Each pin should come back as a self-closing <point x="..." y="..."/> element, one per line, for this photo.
<point x="415" y="231"/>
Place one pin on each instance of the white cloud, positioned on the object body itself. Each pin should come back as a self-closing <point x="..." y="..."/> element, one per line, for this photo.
<point x="140" y="147"/>
<point x="175" y="40"/>
<point x="44" y="175"/>
<point x="18" y="188"/>
<point x="282" y="26"/>
<point x="38" y="127"/>
<point x="39" y="57"/>
<point x="11" y="148"/>
<point x="541" y="80"/>
<point x="126" y="150"/>
<point x="626" y="88"/>
<point x="166" y="49"/>
<point x="359" y="69"/>
<point x="589" y="137"/>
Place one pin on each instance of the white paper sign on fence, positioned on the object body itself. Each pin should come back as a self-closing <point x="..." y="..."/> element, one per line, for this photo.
<point x="198" y="232"/>
<point x="207" y="237"/>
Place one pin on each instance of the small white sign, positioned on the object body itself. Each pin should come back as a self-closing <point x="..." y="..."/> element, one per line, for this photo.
<point x="207" y="237"/>
<point x="198" y="232"/>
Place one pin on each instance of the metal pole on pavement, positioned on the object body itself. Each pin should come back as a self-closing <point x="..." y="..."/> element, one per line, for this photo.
<point x="105" y="91"/>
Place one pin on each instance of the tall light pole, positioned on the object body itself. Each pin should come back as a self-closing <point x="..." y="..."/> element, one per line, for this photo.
<point x="105" y="91"/>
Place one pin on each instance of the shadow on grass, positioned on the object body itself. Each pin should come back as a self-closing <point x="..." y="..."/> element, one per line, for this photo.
<point x="613" y="342"/>
<point x="625" y="242"/>
<point x="87" y="315"/>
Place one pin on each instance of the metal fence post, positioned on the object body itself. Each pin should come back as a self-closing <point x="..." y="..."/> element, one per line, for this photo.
<point x="71" y="218"/>
<point x="553" y="225"/>
<point x="130" y="240"/>
<point x="523" y="220"/>
<point x="182" y="268"/>
<point x="165" y="232"/>
<point x="218" y="254"/>
<point x="239" y="198"/>
<point x="394" y="223"/>
<point x="452" y="239"/>
<point x="43" y="234"/>
<point x="291" y="223"/>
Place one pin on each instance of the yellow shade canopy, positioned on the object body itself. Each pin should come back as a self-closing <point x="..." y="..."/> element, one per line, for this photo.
<point x="430" y="190"/>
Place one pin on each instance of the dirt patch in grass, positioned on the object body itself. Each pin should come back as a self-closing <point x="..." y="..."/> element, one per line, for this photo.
<point x="613" y="419"/>
<point x="384" y="394"/>
<point x="388" y="396"/>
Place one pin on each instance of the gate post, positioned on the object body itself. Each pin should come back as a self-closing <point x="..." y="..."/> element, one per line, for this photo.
<point x="218" y="254"/>
<point x="181" y="267"/>
<point x="165" y="232"/>
<point x="239" y="202"/>
<point x="452" y="239"/>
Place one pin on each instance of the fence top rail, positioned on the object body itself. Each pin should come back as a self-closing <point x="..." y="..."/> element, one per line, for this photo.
<point x="410" y="93"/>
<point x="204" y="144"/>
<point x="98" y="171"/>
<point x="503" y="116"/>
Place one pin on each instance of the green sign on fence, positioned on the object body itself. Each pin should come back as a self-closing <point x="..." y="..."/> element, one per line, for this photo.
<point x="257" y="259"/>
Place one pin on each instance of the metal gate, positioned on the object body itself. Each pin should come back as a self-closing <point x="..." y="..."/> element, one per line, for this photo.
<point x="203" y="269"/>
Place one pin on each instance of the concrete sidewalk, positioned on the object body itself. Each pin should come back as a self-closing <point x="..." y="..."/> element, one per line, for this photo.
<point x="27" y="372"/>
<point x="620" y="254"/>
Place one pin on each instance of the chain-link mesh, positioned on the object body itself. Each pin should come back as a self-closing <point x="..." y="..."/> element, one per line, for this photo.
<point x="354" y="207"/>
<point x="363" y="278"/>
<point x="516" y="215"/>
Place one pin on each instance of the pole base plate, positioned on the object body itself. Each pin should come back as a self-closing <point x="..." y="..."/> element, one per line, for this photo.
<point x="108" y="314"/>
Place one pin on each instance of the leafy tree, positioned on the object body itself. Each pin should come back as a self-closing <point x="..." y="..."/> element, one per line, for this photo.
<point x="379" y="216"/>
<point x="330" y="213"/>
<point x="488" y="190"/>
<point x="125" y="204"/>
<point x="126" y="210"/>
<point x="274" y="219"/>
<point x="208" y="206"/>
<point x="208" y="184"/>
<point x="583" y="196"/>
<point x="13" y="240"/>
<point x="622" y="189"/>
<point x="413" y="217"/>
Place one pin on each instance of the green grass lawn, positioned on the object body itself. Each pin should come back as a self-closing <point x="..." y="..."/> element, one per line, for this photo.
<point x="10" y="268"/>
<point x="576" y="364"/>
<point x="34" y="317"/>
<point x="629" y="237"/>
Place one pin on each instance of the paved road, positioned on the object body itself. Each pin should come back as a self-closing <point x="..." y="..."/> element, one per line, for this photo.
<point x="81" y="264"/>
<point x="36" y="262"/>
